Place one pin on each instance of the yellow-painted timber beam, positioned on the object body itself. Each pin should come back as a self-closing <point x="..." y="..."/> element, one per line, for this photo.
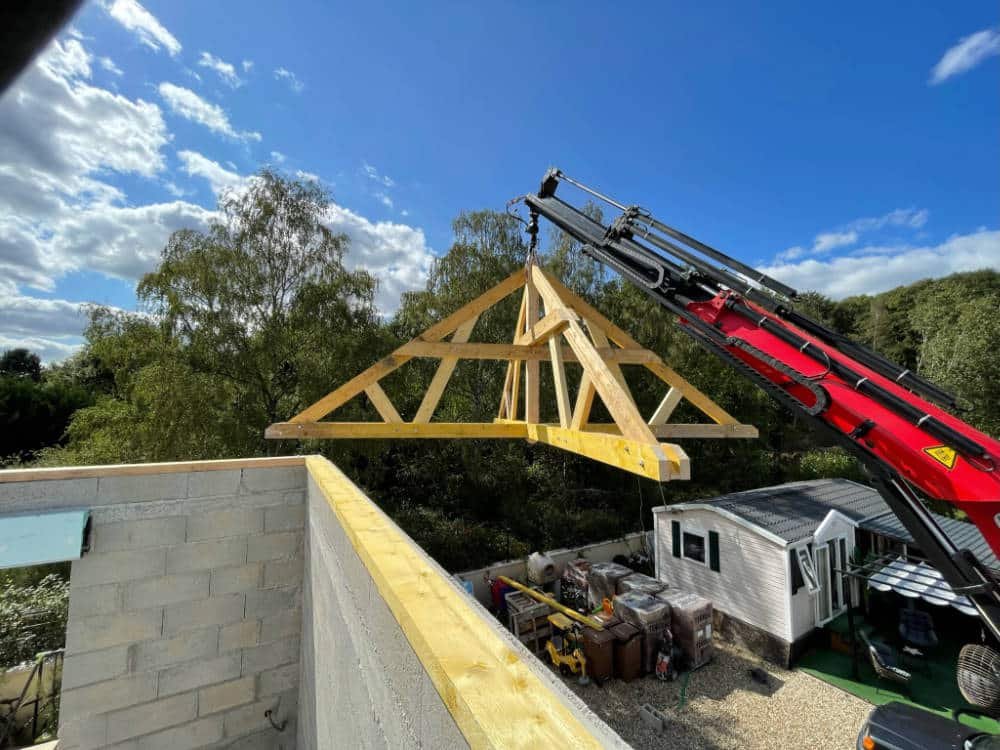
<point x="495" y="697"/>
<point x="375" y="430"/>
<point x="662" y="462"/>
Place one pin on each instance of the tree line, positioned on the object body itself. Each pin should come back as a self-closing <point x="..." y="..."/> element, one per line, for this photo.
<point x="258" y="317"/>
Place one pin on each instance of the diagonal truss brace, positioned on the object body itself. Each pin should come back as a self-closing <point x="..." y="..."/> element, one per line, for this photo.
<point x="554" y="325"/>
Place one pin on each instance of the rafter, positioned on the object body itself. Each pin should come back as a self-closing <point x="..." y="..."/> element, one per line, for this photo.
<point x="554" y="325"/>
<point x="443" y="374"/>
<point x="531" y="369"/>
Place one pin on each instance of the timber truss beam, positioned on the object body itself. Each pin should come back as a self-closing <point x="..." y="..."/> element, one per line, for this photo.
<point x="554" y="325"/>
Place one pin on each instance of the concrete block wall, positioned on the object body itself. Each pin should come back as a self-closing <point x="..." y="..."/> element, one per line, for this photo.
<point x="216" y="592"/>
<point x="185" y="614"/>
<point x="349" y="630"/>
<point x="395" y="654"/>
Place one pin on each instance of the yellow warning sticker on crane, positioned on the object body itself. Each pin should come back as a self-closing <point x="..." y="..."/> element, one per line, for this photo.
<point x="943" y="455"/>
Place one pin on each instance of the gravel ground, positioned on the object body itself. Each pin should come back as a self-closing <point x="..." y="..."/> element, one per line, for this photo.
<point x="725" y="708"/>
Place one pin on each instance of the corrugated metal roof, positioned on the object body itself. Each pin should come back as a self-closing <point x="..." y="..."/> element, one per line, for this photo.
<point x="964" y="535"/>
<point x="793" y="511"/>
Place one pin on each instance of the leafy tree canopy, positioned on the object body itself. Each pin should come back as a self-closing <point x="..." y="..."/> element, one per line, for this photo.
<point x="20" y="363"/>
<point x="255" y="318"/>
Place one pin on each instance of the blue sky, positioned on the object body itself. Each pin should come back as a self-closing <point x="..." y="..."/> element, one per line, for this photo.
<point x="847" y="148"/>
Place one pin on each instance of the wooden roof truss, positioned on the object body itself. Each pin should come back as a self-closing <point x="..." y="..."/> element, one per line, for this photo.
<point x="556" y="326"/>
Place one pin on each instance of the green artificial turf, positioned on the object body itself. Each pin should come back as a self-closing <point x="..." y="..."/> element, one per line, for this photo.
<point x="933" y="686"/>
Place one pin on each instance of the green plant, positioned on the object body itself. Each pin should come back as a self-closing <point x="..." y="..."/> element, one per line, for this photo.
<point x="33" y="617"/>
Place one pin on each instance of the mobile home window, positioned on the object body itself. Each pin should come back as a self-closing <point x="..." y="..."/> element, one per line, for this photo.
<point x="797" y="580"/>
<point x="713" y="551"/>
<point x="807" y="569"/>
<point x="694" y="547"/>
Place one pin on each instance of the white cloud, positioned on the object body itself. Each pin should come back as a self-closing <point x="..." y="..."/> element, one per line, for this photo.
<point x="308" y="176"/>
<point x="824" y="242"/>
<point x="124" y="241"/>
<point x="277" y="157"/>
<point x="293" y="81"/>
<point x="67" y="61"/>
<point x="219" y="178"/>
<point x="189" y="105"/>
<point x="396" y="253"/>
<point x="226" y="71"/>
<point x="907" y="218"/>
<point x="58" y="129"/>
<point x="62" y="142"/>
<point x="373" y="174"/>
<point x="49" y="349"/>
<point x="875" y="269"/>
<point x="33" y="316"/>
<point x="384" y="199"/>
<point x="109" y="65"/>
<point x="175" y="190"/>
<point x="52" y="328"/>
<point x="404" y="212"/>
<point x="966" y="54"/>
<point x="830" y="240"/>
<point x="144" y="25"/>
<point x="247" y="66"/>
<point x="60" y="133"/>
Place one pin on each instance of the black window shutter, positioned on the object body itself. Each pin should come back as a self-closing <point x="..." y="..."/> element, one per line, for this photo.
<point x="675" y="531"/>
<point x="797" y="580"/>
<point x="713" y="550"/>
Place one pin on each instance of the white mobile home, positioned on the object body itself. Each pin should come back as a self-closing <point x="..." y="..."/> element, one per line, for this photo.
<point x="766" y="557"/>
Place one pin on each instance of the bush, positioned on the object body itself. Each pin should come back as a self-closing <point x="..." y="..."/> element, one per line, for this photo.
<point x="33" y="617"/>
<point x="827" y="463"/>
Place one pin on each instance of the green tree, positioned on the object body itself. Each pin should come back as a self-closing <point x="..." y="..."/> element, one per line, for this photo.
<point x="20" y="363"/>
<point x="250" y="321"/>
<point x="245" y="324"/>
<point x="960" y="342"/>
<point x="34" y="407"/>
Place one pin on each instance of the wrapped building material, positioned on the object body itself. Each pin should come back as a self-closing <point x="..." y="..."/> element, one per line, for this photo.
<point x="655" y="638"/>
<point x="641" y="610"/>
<point x="642" y="583"/>
<point x="576" y="572"/>
<point x="573" y="589"/>
<point x="690" y="624"/>
<point x="602" y="581"/>
<point x="652" y="617"/>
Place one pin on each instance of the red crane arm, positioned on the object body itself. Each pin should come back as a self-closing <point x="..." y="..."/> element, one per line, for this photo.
<point x="925" y="460"/>
<point x="890" y="418"/>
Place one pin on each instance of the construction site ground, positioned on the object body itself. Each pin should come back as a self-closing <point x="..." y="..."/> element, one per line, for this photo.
<point x="727" y="708"/>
